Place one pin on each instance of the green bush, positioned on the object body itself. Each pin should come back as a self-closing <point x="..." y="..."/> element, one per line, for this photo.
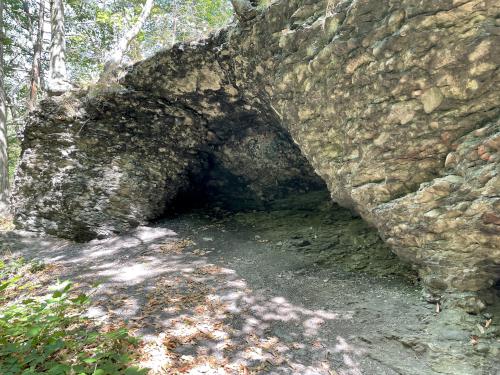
<point x="14" y="151"/>
<point x="50" y="335"/>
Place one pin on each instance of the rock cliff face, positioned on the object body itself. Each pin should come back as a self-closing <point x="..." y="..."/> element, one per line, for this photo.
<point x="90" y="168"/>
<point x="96" y="166"/>
<point x="394" y="104"/>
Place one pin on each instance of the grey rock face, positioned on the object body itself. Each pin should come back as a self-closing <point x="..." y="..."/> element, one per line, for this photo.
<point x="91" y="168"/>
<point x="394" y="104"/>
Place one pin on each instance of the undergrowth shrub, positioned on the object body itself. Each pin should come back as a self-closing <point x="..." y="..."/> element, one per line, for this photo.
<point x="50" y="335"/>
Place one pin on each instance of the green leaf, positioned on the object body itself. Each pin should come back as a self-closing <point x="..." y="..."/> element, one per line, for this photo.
<point x="135" y="371"/>
<point x="57" y="294"/>
<point x="34" y="331"/>
<point x="81" y="299"/>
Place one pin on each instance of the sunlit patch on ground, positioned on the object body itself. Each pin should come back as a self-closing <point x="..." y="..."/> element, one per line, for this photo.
<point x="255" y="293"/>
<point x="211" y="324"/>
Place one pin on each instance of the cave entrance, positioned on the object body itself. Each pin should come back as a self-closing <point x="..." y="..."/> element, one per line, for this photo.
<point x="249" y="162"/>
<point x="295" y="220"/>
<point x="254" y="180"/>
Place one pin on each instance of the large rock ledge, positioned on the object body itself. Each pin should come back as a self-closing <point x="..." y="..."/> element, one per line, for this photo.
<point x="394" y="104"/>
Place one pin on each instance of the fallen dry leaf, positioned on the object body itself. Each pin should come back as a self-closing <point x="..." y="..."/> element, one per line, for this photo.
<point x="474" y="340"/>
<point x="317" y="344"/>
<point x="175" y="247"/>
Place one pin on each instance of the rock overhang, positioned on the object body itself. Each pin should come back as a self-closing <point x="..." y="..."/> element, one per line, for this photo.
<point x="394" y="105"/>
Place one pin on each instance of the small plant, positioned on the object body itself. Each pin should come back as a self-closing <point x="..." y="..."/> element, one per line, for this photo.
<point x="14" y="151"/>
<point x="50" y="335"/>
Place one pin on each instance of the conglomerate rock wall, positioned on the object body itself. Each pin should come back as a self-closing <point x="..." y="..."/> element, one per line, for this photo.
<point x="90" y="168"/>
<point x="395" y="104"/>
<point x="97" y="165"/>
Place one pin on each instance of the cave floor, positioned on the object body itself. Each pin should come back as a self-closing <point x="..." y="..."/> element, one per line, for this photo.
<point x="300" y="288"/>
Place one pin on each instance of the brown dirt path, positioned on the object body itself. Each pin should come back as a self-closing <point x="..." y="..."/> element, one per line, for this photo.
<point x="247" y="295"/>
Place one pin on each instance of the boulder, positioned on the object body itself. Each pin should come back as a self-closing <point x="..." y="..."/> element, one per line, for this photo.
<point x="394" y="104"/>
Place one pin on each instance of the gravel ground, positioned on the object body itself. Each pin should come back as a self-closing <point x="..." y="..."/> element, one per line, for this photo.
<point x="302" y="288"/>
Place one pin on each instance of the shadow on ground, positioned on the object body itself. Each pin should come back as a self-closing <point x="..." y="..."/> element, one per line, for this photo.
<point x="263" y="293"/>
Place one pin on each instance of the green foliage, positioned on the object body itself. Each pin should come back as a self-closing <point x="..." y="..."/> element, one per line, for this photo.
<point x="92" y="27"/>
<point x="14" y="150"/>
<point x="216" y="13"/>
<point x="95" y="25"/>
<point x="49" y="335"/>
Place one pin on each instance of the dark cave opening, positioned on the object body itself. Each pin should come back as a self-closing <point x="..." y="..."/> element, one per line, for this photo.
<point x="231" y="193"/>
<point x="253" y="179"/>
<point x="303" y="223"/>
<point x="249" y="170"/>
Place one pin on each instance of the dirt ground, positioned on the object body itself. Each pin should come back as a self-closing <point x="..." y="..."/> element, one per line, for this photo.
<point x="301" y="288"/>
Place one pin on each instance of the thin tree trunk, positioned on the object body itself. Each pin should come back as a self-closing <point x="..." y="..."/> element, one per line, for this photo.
<point x="4" y="161"/>
<point x="58" y="76"/>
<point x="116" y="56"/>
<point x="174" y="31"/>
<point x="174" y="23"/>
<point x="46" y="42"/>
<point x="13" y="120"/>
<point x="37" y="55"/>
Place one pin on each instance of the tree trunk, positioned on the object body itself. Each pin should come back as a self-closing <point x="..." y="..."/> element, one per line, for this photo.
<point x="46" y="42"/>
<point x="37" y="55"/>
<point x="4" y="162"/>
<point x="116" y="56"/>
<point x="175" y="15"/>
<point x="174" y="31"/>
<point x="58" y="77"/>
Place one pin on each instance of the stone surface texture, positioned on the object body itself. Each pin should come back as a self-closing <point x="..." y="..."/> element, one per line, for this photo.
<point x="90" y="168"/>
<point x="395" y="105"/>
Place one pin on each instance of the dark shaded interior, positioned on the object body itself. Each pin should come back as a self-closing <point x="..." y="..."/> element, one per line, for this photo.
<point x="248" y="163"/>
